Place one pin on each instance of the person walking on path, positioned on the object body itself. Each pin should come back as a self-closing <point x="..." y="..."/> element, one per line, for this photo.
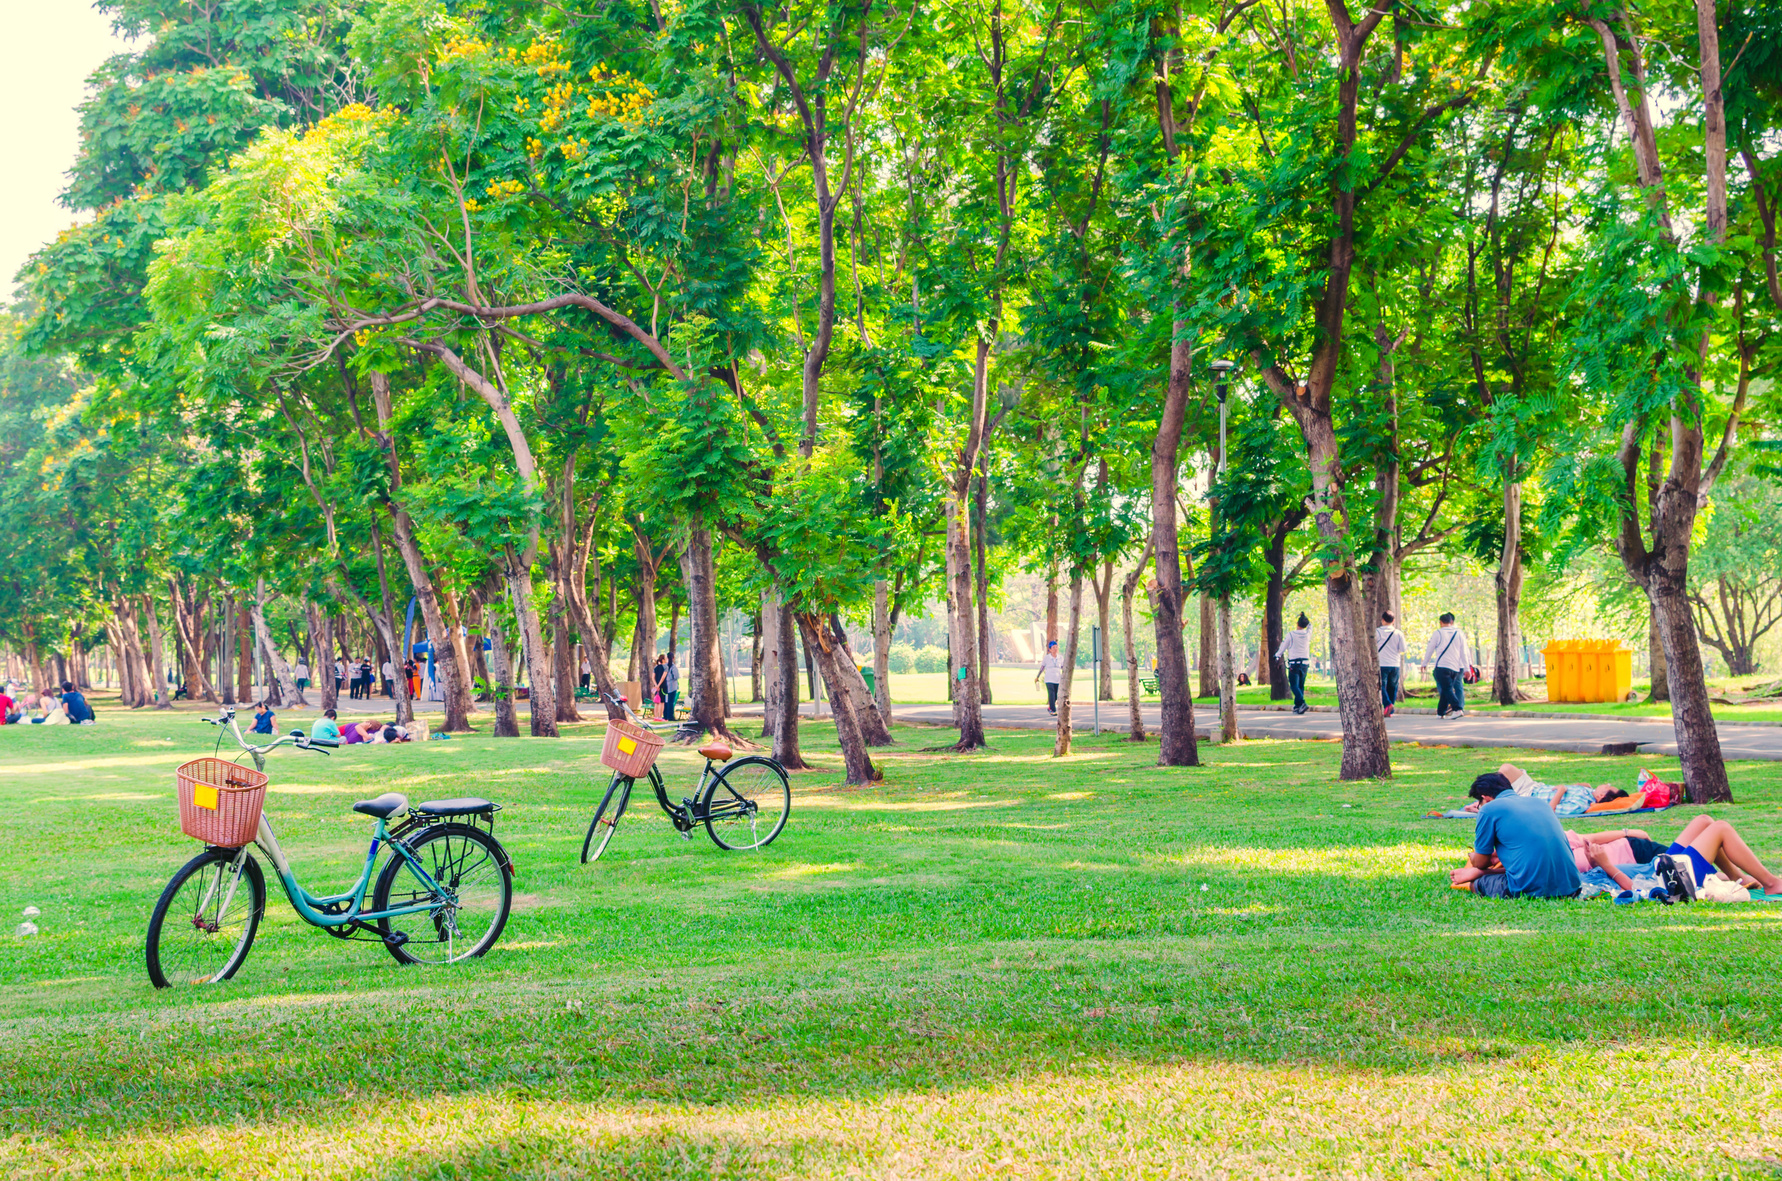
<point x="1296" y="647"/>
<point x="1447" y="651"/>
<point x="587" y="671"/>
<point x="389" y="681"/>
<point x="671" y="688"/>
<point x="656" y="679"/>
<point x="1389" y="646"/>
<point x="339" y="675"/>
<point x="1051" y="672"/>
<point x="300" y="674"/>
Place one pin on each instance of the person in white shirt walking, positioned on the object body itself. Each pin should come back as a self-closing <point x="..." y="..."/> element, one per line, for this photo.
<point x="1448" y="653"/>
<point x="1296" y="647"/>
<point x="300" y="674"/>
<point x="1389" y="646"/>
<point x="1051" y="672"/>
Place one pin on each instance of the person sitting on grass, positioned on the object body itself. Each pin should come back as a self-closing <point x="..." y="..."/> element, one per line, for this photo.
<point x="53" y="715"/>
<point x="324" y="728"/>
<point x="1572" y="799"/>
<point x="1519" y="849"/>
<point x="79" y="712"/>
<point x="265" y="720"/>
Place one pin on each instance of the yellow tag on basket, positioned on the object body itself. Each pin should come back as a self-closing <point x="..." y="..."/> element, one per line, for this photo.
<point x="627" y="746"/>
<point x="204" y="796"/>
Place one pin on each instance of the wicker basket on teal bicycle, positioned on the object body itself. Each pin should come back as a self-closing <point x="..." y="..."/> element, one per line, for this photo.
<point x="220" y="801"/>
<point x="630" y="750"/>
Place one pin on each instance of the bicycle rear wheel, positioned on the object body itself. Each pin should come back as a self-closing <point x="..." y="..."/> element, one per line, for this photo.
<point x="470" y="864"/>
<point x="747" y="803"/>
<point x="606" y="818"/>
<point x="205" y="920"/>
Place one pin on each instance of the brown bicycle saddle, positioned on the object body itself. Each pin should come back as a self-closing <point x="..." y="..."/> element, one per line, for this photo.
<point x="716" y="751"/>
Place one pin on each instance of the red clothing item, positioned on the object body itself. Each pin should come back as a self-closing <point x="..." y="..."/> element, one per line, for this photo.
<point x="5" y="707"/>
<point x="1620" y="852"/>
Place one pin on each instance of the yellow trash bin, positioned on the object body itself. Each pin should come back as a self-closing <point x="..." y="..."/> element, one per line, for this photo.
<point x="1617" y="672"/>
<point x="1589" y="671"/>
<point x="1562" y="670"/>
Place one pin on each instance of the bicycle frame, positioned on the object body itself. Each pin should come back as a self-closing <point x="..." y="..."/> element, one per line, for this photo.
<point x="306" y="904"/>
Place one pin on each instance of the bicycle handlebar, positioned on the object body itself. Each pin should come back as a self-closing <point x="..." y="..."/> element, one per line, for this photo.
<point x="296" y="738"/>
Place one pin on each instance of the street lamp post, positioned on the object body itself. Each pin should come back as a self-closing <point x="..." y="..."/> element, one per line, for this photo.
<point x="1228" y="723"/>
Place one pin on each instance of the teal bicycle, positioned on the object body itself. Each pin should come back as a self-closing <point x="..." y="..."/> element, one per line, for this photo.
<point x="443" y="895"/>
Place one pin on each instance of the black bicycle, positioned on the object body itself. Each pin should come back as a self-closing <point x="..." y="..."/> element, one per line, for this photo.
<point x="743" y="803"/>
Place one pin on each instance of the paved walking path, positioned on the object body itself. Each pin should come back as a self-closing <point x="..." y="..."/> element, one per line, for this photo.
<point x="1574" y="733"/>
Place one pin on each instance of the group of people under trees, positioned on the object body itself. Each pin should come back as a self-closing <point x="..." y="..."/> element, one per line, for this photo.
<point x="327" y="728"/>
<point x="1446" y="654"/>
<point x="21" y="708"/>
<point x="363" y="682"/>
<point x="1520" y="850"/>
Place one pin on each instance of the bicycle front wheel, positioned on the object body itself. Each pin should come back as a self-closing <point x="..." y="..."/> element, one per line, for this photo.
<point x="606" y="818"/>
<point x="467" y="912"/>
<point x="747" y="803"/>
<point x="205" y="920"/>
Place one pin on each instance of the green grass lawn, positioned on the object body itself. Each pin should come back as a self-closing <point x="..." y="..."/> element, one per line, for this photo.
<point x="1001" y="965"/>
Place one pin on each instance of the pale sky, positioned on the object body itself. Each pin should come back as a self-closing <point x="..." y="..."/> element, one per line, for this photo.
<point x="55" y="45"/>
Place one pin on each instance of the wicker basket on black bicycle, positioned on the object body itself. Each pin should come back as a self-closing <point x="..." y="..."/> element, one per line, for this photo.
<point x="630" y="749"/>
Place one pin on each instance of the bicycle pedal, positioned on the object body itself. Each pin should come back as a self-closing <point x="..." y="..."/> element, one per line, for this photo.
<point x="396" y="938"/>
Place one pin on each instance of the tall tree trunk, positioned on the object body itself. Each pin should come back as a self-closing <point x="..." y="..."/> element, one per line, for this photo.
<point x="1051" y="604"/>
<point x="770" y="649"/>
<point x="501" y="679"/>
<point x="244" y="662"/>
<point x="873" y="730"/>
<point x="1662" y="567"/>
<point x="1367" y="752"/>
<point x="980" y="547"/>
<point x="755" y="657"/>
<point x="188" y="617"/>
<point x="1228" y="720"/>
<point x="538" y="662"/>
<point x="1135" y="723"/>
<point x="390" y="637"/>
<point x="455" y="692"/>
<point x="781" y="657"/>
<point x="1068" y="664"/>
<point x="230" y="623"/>
<point x="1208" y="655"/>
<point x="1177" y="746"/>
<point x="705" y="669"/>
<point x="563" y="663"/>
<point x="881" y="649"/>
<point x="1661" y="680"/>
<point x="158" y="681"/>
<point x="321" y="626"/>
<point x="1104" y="605"/>
<point x="821" y="646"/>
<point x="275" y="660"/>
<point x="962" y="630"/>
<point x="1508" y="584"/>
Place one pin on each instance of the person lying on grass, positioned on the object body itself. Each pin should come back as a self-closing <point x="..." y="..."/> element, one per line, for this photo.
<point x="1710" y="844"/>
<point x="1519" y="849"/>
<point x="1571" y="799"/>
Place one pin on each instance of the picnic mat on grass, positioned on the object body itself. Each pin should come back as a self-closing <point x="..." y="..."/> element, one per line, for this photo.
<point x="1461" y="814"/>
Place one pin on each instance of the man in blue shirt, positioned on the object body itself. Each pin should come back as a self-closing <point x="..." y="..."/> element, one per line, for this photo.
<point x="79" y="712"/>
<point x="1525" y="837"/>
